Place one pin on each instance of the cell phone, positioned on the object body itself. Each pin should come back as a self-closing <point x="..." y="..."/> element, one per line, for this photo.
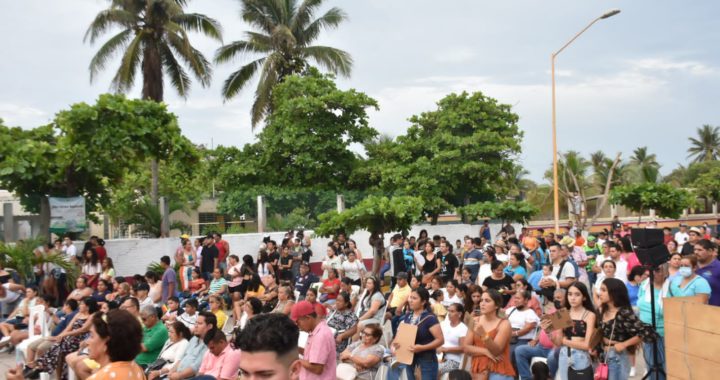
<point x="476" y="311"/>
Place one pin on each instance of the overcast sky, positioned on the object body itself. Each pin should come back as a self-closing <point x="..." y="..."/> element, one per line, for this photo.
<point x="648" y="76"/>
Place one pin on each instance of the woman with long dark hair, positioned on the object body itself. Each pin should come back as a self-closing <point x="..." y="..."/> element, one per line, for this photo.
<point x="428" y="338"/>
<point x="621" y="329"/>
<point x="91" y="267"/>
<point x="574" y="342"/>
<point x="372" y="303"/>
<point x="488" y="340"/>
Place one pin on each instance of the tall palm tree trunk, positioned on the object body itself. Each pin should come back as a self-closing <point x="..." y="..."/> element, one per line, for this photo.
<point x="152" y="90"/>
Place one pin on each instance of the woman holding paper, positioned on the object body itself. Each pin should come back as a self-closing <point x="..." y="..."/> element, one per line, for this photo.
<point x="574" y="342"/>
<point x="488" y="341"/>
<point x="428" y="338"/>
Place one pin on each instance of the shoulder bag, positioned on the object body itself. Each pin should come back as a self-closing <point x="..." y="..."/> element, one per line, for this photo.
<point x="602" y="372"/>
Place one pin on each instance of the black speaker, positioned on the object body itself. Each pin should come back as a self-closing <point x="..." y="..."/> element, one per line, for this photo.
<point x="649" y="246"/>
<point x="647" y="237"/>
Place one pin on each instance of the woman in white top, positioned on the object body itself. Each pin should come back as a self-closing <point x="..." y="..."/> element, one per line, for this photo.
<point x="353" y="269"/>
<point x="155" y="293"/>
<point x="608" y="268"/>
<point x="450" y="294"/>
<point x="332" y="261"/>
<point x="454" y="331"/>
<point x="92" y="268"/>
<point x="178" y="338"/>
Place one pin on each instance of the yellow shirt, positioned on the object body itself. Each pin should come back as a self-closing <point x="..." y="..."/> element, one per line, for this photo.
<point x="439" y="311"/>
<point x="400" y="295"/>
<point x="118" y="371"/>
<point x="221" y="318"/>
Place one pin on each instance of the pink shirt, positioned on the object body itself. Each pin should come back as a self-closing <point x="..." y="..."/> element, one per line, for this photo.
<point x="320" y="349"/>
<point x="225" y="366"/>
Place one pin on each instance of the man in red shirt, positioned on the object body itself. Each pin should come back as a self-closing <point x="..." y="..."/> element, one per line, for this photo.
<point x="223" y="250"/>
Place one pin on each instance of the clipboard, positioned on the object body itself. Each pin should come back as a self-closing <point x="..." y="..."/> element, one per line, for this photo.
<point x="558" y="320"/>
<point x="405" y="337"/>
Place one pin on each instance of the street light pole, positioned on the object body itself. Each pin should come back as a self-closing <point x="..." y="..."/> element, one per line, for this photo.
<point x="556" y="198"/>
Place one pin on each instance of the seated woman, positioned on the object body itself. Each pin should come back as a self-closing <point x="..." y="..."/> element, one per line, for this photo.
<point x="286" y="300"/>
<point x="253" y="289"/>
<point x="217" y="307"/>
<point x="68" y="341"/>
<point x="18" y="319"/>
<point x="81" y="291"/>
<point x="108" y="269"/>
<point x="311" y="296"/>
<point x="342" y="321"/>
<point x="104" y="288"/>
<point x="365" y="354"/>
<point x="330" y="287"/>
<point x="197" y="285"/>
<point x="251" y="308"/>
<point x="270" y="297"/>
<point x="178" y="337"/>
<point x="155" y="294"/>
<point x="218" y="285"/>
<point x="115" y="340"/>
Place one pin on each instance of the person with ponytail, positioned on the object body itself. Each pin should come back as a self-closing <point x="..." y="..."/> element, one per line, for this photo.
<point x="428" y="338"/>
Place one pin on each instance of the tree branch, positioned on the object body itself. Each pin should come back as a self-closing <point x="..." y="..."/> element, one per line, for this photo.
<point x="608" y="184"/>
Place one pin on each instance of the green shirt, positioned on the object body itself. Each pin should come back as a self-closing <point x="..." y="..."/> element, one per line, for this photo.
<point x="153" y="339"/>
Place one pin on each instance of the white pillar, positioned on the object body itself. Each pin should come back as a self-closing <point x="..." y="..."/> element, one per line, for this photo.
<point x="715" y="209"/>
<point x="164" y="217"/>
<point x="8" y="222"/>
<point x="652" y="214"/>
<point x="261" y="214"/>
<point x="340" y="203"/>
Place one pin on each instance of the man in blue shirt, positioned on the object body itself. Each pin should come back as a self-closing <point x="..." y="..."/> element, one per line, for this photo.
<point x="709" y="268"/>
<point x="471" y="260"/>
<point x="304" y="280"/>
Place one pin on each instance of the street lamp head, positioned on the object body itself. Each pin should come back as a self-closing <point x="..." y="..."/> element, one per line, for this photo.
<point x="610" y="13"/>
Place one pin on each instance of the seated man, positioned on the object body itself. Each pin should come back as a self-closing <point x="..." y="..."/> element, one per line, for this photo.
<point x="154" y="336"/>
<point x="220" y="362"/>
<point x="269" y="345"/>
<point x="10" y="296"/>
<point x="189" y="317"/>
<point x="18" y="319"/>
<point x="41" y="346"/>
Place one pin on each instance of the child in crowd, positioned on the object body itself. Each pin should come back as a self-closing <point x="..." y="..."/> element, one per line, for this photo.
<point x="437" y="308"/>
<point x="173" y="310"/>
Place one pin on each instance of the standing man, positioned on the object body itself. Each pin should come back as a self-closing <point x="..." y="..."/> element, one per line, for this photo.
<point x="209" y="260"/>
<point x="681" y="237"/>
<point x="169" y="279"/>
<point x="273" y="254"/>
<point x="472" y="259"/>
<point x="397" y="258"/>
<point x="485" y="231"/>
<point x="318" y="361"/>
<point x="223" y="248"/>
<point x="709" y="268"/>
<point x="694" y="237"/>
<point x="69" y="249"/>
<point x="563" y="271"/>
<point x="448" y="263"/>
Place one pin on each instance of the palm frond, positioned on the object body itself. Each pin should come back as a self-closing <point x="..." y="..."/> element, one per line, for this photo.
<point x="332" y="59"/>
<point x="125" y="76"/>
<point x="304" y="14"/>
<point x="228" y="52"/>
<point x="255" y="13"/>
<point x="107" y="51"/>
<point x="237" y="80"/>
<point x="178" y="77"/>
<point x="200" y="23"/>
<point x="263" y="94"/>
<point x="107" y="19"/>
<point x="197" y="62"/>
<point x="330" y="20"/>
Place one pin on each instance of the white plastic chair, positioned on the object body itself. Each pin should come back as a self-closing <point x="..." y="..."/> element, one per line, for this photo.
<point x="36" y="312"/>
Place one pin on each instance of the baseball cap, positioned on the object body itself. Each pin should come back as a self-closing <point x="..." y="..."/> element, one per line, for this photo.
<point x="695" y="230"/>
<point x="591" y="238"/>
<point x="301" y="309"/>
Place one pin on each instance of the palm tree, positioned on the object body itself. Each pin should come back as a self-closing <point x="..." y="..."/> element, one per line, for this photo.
<point x="646" y="167"/>
<point x="707" y="146"/>
<point x="286" y="31"/>
<point x="153" y="34"/>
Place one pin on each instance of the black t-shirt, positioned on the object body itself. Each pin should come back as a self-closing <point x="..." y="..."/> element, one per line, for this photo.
<point x="209" y="254"/>
<point x="285" y="274"/>
<point x="430" y="265"/>
<point x="449" y="264"/>
<point x="274" y="258"/>
<point x="687" y="249"/>
<point x="506" y="283"/>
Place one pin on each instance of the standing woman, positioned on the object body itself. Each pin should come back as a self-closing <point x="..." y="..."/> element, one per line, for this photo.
<point x="674" y="265"/>
<point x="687" y="283"/>
<point x="91" y="268"/>
<point x="353" y="268"/>
<point x="432" y="264"/>
<point x="574" y="342"/>
<point x="186" y="259"/>
<point x="662" y="290"/>
<point x="621" y="329"/>
<point x="472" y="308"/>
<point x="428" y="338"/>
<point x="516" y="267"/>
<point x="488" y="341"/>
<point x="454" y="332"/>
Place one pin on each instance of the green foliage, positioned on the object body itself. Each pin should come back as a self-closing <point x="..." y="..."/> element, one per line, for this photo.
<point x="645" y="165"/>
<point x="459" y="153"/>
<point x="507" y="211"/>
<point x="285" y="32"/>
<point x="377" y="214"/>
<point x="666" y="200"/>
<point x="88" y="149"/>
<point x="302" y="156"/>
<point x="147" y="219"/>
<point x="706" y="147"/>
<point x="707" y="184"/>
<point x="20" y="257"/>
<point x="298" y="218"/>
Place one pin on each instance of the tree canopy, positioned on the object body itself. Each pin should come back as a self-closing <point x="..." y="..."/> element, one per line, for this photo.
<point x="666" y="200"/>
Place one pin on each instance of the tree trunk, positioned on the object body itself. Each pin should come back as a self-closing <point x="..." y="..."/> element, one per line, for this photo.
<point x="45" y="219"/>
<point x="152" y="90"/>
<point x="434" y="218"/>
<point x="376" y="242"/>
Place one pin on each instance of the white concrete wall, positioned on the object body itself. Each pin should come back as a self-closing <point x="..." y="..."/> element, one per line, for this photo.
<point x="132" y="256"/>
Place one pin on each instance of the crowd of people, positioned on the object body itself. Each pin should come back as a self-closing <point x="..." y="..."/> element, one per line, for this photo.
<point x="480" y="308"/>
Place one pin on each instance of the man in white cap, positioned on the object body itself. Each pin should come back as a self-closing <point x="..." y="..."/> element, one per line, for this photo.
<point x="694" y="236"/>
<point x="681" y="237"/>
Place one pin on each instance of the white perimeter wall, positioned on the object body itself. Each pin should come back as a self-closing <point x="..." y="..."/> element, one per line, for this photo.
<point x="132" y="256"/>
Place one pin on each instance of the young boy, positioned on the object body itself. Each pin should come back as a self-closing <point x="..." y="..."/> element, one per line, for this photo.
<point x="173" y="310"/>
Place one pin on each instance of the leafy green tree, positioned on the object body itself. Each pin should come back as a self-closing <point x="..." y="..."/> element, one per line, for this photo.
<point x="153" y="35"/>
<point x="87" y="150"/>
<point x="666" y="200"/>
<point x="706" y="147"/>
<point x="506" y="211"/>
<point x="646" y="167"/>
<point x="454" y="155"/>
<point x="303" y="151"/>
<point x="285" y="31"/>
<point x="376" y="214"/>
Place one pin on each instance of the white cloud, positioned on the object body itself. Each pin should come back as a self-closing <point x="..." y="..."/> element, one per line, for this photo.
<point x="666" y="65"/>
<point x="22" y="115"/>
<point x="459" y="54"/>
